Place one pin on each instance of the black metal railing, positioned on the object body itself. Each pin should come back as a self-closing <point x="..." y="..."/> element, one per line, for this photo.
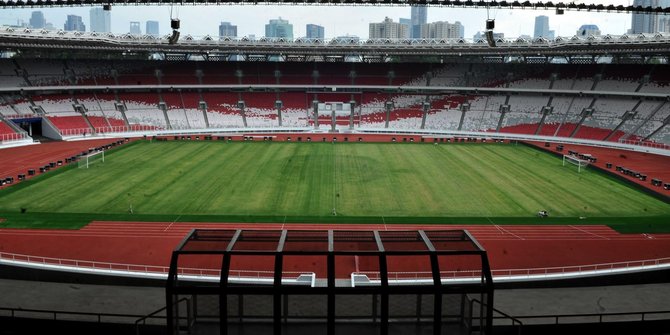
<point x="189" y="316"/>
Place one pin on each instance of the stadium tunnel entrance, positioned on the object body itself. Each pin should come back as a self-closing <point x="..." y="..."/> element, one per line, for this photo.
<point x="31" y="125"/>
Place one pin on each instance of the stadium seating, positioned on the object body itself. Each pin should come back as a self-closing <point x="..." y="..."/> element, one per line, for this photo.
<point x="5" y="129"/>
<point x="70" y="124"/>
<point x="524" y="116"/>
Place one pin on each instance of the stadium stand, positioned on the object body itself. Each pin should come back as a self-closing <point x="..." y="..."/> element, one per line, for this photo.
<point x="611" y="119"/>
<point x="6" y="132"/>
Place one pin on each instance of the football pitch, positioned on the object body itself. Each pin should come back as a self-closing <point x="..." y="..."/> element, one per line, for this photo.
<point x="176" y="180"/>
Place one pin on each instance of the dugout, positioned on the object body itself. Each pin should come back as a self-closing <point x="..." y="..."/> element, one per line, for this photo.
<point x="329" y="282"/>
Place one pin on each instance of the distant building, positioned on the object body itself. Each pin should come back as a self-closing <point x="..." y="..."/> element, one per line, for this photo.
<point x="152" y="28"/>
<point x="101" y="20"/>
<point x="442" y="30"/>
<point x="279" y="28"/>
<point x="135" y="28"/>
<point x="481" y="35"/>
<point x="649" y="23"/>
<point x="664" y="25"/>
<point x="419" y="18"/>
<point x="542" y="28"/>
<point x="37" y="20"/>
<point x="388" y="29"/>
<point x="588" y="30"/>
<point x="226" y="29"/>
<point x="644" y="23"/>
<point x="74" y="23"/>
<point x="353" y="38"/>
<point x="407" y="22"/>
<point x="315" y="31"/>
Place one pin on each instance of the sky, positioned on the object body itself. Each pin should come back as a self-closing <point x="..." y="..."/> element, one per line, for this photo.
<point x="337" y="20"/>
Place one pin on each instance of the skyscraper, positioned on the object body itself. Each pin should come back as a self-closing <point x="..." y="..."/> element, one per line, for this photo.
<point x="664" y="25"/>
<point x="152" y="28"/>
<point x="542" y="27"/>
<point x="663" y="21"/>
<point x="37" y="20"/>
<point x="279" y="28"/>
<point x="419" y="17"/>
<point x="227" y="30"/>
<point x="388" y="29"/>
<point x="407" y="22"/>
<point x="314" y="31"/>
<point x="649" y="23"/>
<point x="644" y="23"/>
<point x="135" y="28"/>
<point x="101" y="20"/>
<point x="74" y="23"/>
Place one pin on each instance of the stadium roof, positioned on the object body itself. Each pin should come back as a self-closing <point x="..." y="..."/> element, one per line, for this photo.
<point x="338" y="49"/>
<point x="539" y="5"/>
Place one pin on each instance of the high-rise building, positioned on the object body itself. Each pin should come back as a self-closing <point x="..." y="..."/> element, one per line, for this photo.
<point x="407" y="22"/>
<point x="419" y="17"/>
<point x="101" y="20"/>
<point x="644" y="23"/>
<point x="588" y="30"/>
<point x="664" y="25"/>
<point x="37" y="20"/>
<point x="388" y="29"/>
<point x="135" y="28"/>
<point x="542" y="27"/>
<point x="74" y="23"/>
<point x="227" y="30"/>
<point x="649" y="23"/>
<point x="279" y="28"/>
<point x="152" y="28"/>
<point x="663" y="21"/>
<point x="314" y="31"/>
<point x="442" y="29"/>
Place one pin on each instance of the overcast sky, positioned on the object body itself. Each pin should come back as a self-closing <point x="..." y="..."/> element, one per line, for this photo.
<point x="337" y="20"/>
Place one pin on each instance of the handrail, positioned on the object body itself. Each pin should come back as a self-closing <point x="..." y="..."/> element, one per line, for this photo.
<point x="505" y="315"/>
<point x="54" y="313"/>
<point x="153" y="314"/>
<point x="154" y="269"/>
<point x="600" y="316"/>
<point x="407" y="275"/>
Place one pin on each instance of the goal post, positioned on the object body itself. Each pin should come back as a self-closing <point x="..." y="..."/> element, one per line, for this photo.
<point x="580" y="163"/>
<point x="92" y="158"/>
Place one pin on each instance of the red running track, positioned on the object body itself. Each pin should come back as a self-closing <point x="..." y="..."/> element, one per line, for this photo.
<point x="509" y="247"/>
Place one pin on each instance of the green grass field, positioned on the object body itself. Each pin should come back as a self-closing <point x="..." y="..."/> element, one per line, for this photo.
<point x="363" y="182"/>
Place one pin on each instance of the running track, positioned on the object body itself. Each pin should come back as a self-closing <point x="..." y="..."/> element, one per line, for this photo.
<point x="509" y="247"/>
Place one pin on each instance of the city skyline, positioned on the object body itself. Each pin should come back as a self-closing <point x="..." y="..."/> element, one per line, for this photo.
<point x="511" y="23"/>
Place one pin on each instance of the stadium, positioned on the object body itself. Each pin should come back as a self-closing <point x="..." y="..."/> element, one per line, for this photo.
<point x="170" y="185"/>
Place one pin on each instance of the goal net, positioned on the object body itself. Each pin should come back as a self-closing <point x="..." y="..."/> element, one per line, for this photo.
<point x="92" y="158"/>
<point x="580" y="163"/>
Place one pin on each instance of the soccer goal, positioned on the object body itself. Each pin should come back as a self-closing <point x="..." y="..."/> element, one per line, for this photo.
<point x="92" y="158"/>
<point x="575" y="161"/>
